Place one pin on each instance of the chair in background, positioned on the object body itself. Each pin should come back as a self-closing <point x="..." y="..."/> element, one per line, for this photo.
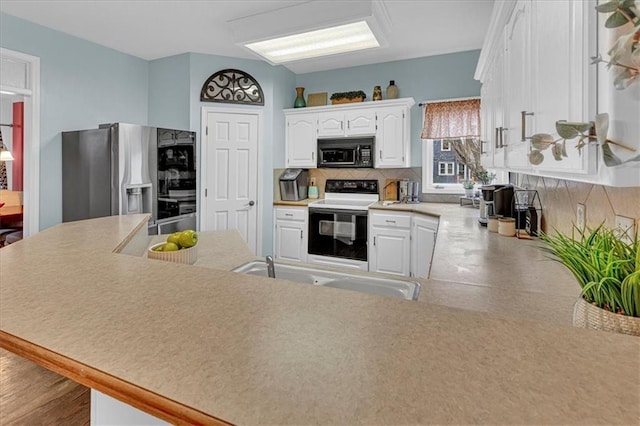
<point x="11" y="228"/>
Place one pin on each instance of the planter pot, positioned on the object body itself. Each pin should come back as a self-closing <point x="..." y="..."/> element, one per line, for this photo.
<point x="586" y="315"/>
<point x="468" y="192"/>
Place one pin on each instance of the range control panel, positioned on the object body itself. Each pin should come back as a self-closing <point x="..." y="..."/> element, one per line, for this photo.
<point x="360" y="186"/>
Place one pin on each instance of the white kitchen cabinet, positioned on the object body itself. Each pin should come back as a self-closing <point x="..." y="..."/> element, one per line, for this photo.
<point x="389" y="121"/>
<point x="546" y="78"/>
<point x="392" y="138"/>
<point x="517" y="90"/>
<point x="291" y="228"/>
<point x="347" y="123"/>
<point x="301" y="140"/>
<point x="560" y="59"/>
<point x="390" y="243"/>
<point x="423" y="241"/>
<point x="492" y="115"/>
<point x="401" y="243"/>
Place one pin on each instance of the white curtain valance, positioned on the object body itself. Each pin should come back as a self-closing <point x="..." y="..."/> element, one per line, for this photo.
<point x="452" y="120"/>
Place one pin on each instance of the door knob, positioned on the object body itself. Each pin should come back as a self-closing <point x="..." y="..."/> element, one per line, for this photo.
<point x="251" y="203"/>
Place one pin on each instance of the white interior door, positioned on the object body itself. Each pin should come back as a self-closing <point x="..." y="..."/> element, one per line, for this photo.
<point x="230" y="174"/>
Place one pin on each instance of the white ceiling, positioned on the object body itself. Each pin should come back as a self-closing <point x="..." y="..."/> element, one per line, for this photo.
<point x="152" y="29"/>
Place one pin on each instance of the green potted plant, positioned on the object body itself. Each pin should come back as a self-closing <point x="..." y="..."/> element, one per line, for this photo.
<point x="607" y="269"/>
<point x="484" y="176"/>
<point x="468" y="186"/>
<point x="347" y="97"/>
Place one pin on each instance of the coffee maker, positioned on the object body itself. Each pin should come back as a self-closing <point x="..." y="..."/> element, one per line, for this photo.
<point x="496" y="200"/>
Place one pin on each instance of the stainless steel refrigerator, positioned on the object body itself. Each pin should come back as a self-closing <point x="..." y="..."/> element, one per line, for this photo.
<point x="123" y="168"/>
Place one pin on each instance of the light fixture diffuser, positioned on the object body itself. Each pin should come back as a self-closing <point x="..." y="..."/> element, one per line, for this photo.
<point x="312" y="44"/>
<point x="313" y="29"/>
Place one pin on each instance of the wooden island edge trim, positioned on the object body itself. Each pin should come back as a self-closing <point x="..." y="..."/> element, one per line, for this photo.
<point x="128" y="393"/>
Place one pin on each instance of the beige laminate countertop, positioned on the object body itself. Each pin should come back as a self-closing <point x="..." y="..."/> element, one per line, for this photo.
<point x="422" y="208"/>
<point x="186" y="341"/>
<point x="301" y="203"/>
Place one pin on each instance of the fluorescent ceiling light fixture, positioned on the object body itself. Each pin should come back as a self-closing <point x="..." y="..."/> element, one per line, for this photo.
<point x="312" y="29"/>
<point x="312" y="44"/>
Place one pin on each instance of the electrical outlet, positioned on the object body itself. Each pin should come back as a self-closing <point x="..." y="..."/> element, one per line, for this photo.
<point x="581" y="216"/>
<point x="625" y="227"/>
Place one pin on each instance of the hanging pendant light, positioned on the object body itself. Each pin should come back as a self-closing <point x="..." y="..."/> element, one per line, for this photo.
<point x="5" y="154"/>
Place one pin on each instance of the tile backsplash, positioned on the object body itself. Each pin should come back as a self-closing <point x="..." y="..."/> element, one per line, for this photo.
<point x="560" y="198"/>
<point x="321" y="176"/>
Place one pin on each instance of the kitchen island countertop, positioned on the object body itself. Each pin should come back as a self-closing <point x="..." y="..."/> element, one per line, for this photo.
<point x="193" y="344"/>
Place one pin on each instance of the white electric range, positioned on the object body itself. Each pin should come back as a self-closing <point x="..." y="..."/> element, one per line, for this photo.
<point x="338" y="224"/>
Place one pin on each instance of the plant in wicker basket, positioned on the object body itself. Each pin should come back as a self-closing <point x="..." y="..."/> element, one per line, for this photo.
<point x="608" y="271"/>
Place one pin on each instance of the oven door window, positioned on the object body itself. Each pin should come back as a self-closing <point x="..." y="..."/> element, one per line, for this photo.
<point x="338" y="234"/>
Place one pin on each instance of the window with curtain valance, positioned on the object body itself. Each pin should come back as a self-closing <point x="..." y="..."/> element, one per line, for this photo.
<point x="452" y="120"/>
<point x="454" y="124"/>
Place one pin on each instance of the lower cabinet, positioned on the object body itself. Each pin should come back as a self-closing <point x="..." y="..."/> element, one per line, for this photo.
<point x="401" y="243"/>
<point x="423" y="242"/>
<point x="291" y="233"/>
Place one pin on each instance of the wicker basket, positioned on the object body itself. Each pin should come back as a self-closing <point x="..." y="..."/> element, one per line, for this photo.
<point x="586" y="315"/>
<point x="346" y="100"/>
<point x="186" y="256"/>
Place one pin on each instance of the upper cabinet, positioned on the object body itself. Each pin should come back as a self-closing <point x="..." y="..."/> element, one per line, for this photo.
<point x="346" y="123"/>
<point x="392" y="141"/>
<point x="535" y="70"/>
<point x="301" y="140"/>
<point x="388" y="121"/>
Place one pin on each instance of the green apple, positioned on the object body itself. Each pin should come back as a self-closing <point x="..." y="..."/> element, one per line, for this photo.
<point x="170" y="247"/>
<point x="188" y="238"/>
<point x="174" y="238"/>
<point x="158" y="248"/>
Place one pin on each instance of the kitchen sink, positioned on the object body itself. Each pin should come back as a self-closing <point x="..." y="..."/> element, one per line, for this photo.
<point x="328" y="278"/>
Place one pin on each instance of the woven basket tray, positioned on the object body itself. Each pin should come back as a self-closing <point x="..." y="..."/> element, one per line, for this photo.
<point x="586" y="315"/>
<point x="346" y="100"/>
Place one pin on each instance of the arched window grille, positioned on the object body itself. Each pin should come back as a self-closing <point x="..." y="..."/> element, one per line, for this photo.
<point x="232" y="86"/>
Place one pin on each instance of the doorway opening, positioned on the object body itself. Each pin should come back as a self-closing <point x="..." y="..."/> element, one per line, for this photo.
<point x="20" y="84"/>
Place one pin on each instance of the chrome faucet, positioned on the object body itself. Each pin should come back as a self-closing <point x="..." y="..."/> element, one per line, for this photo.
<point x="271" y="270"/>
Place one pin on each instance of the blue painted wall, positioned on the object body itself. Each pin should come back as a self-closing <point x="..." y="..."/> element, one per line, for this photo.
<point x="169" y="95"/>
<point x="429" y="78"/>
<point x="82" y="84"/>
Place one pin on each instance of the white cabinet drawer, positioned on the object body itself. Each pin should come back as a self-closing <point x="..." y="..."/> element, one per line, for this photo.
<point x="391" y="220"/>
<point x="291" y="213"/>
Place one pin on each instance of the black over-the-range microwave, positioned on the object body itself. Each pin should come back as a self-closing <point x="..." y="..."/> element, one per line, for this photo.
<point x="346" y="152"/>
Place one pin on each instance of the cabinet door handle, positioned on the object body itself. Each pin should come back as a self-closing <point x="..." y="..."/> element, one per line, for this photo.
<point x="482" y="151"/>
<point x="374" y="241"/>
<point x="349" y="124"/>
<point x="390" y="221"/>
<point x="380" y="154"/>
<point x="524" y="124"/>
<point x="313" y="155"/>
<point x="497" y="137"/>
<point x="342" y="125"/>
<point x="288" y="214"/>
<point x="301" y="234"/>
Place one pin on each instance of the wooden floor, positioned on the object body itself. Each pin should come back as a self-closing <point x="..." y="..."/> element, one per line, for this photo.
<point x="32" y="395"/>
